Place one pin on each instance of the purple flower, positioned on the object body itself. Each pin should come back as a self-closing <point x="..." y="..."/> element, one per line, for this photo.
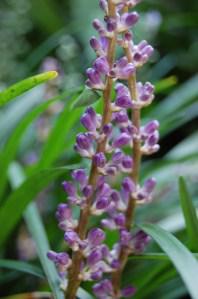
<point x="103" y="289"/>
<point x="151" y="127"/>
<point x="87" y="191"/>
<point x="145" y="91"/>
<point x="84" y="141"/>
<point x="103" y="5"/>
<point x="94" y="257"/>
<point x="84" y="144"/>
<point x="120" y="220"/>
<point x="122" y="140"/>
<point x="128" y="185"/>
<point x="63" y="212"/>
<point x="126" y="21"/>
<point x="127" y="163"/>
<point x="94" y="80"/>
<point x="129" y="19"/>
<point x="142" y="53"/>
<point x="100" y="46"/>
<point x="125" y="238"/>
<point x="121" y="117"/>
<point x="99" y="160"/>
<point x="102" y="203"/>
<point x="65" y="218"/>
<point x="122" y="69"/>
<point x="98" y="25"/>
<point x="69" y="188"/>
<point x="128" y="291"/>
<point x="111" y="24"/>
<point x="123" y="102"/>
<point x="139" y="241"/>
<point x="117" y="156"/>
<point x="107" y="129"/>
<point x="61" y="260"/>
<point x="80" y="176"/>
<point x="101" y="65"/>
<point x="96" y="236"/>
<point x="149" y="185"/>
<point x="90" y="120"/>
<point x="72" y="239"/>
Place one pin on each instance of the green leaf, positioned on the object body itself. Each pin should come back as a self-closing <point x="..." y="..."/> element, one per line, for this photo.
<point x="24" y="85"/>
<point x="87" y="97"/>
<point x="189" y="213"/>
<point x="36" y="295"/>
<point x="180" y="97"/>
<point x="42" y="11"/>
<point x="60" y="133"/>
<point x="10" y="149"/>
<point x="16" y="203"/>
<point x="37" y="231"/>
<point x="165" y="84"/>
<point x="157" y="256"/>
<point x="22" y="267"/>
<point x="181" y="257"/>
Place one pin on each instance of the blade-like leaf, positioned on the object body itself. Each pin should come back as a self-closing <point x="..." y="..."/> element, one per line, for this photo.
<point x="37" y="231"/>
<point x="34" y="295"/>
<point x="181" y="257"/>
<point x="165" y="84"/>
<point x="180" y="97"/>
<point x="10" y="149"/>
<point x="22" y="267"/>
<point x="158" y="256"/>
<point x="25" y="85"/>
<point x="189" y="213"/>
<point x="87" y="97"/>
<point x="61" y="132"/>
<point x="15" y="204"/>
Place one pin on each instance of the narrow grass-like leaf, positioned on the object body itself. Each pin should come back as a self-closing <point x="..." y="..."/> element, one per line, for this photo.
<point x="22" y="267"/>
<point x="87" y="97"/>
<point x="158" y="256"/>
<point x="10" y="149"/>
<point x="25" y="85"/>
<point x="181" y="257"/>
<point x="61" y="132"/>
<point x="16" y="203"/>
<point x="165" y="84"/>
<point x="37" y="231"/>
<point x="189" y="213"/>
<point x="182" y="96"/>
<point x="34" y="295"/>
<point x="154" y="284"/>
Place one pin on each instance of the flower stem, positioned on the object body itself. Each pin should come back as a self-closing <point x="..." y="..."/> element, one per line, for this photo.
<point x="73" y="277"/>
<point x="136" y="155"/>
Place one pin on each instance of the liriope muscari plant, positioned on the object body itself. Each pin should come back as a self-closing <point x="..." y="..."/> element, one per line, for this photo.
<point x="114" y="142"/>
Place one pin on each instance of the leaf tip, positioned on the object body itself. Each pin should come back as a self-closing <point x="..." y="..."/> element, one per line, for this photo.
<point x="52" y="74"/>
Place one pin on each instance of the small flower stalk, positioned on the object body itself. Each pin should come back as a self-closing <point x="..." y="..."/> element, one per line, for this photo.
<point x="114" y="142"/>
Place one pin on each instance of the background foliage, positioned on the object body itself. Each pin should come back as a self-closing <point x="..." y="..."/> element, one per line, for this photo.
<point x="37" y="132"/>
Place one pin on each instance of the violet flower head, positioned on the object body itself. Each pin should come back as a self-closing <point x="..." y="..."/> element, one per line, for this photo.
<point x="113" y="143"/>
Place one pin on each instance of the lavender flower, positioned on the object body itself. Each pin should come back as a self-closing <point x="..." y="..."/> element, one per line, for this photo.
<point x="107" y="143"/>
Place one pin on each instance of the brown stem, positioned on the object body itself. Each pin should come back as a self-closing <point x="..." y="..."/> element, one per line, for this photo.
<point x="77" y="257"/>
<point x="136" y="155"/>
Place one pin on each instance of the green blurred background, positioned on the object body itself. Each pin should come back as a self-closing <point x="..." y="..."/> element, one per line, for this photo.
<point x="38" y="35"/>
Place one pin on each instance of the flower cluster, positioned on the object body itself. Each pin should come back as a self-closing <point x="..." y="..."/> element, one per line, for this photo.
<point x="107" y="141"/>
